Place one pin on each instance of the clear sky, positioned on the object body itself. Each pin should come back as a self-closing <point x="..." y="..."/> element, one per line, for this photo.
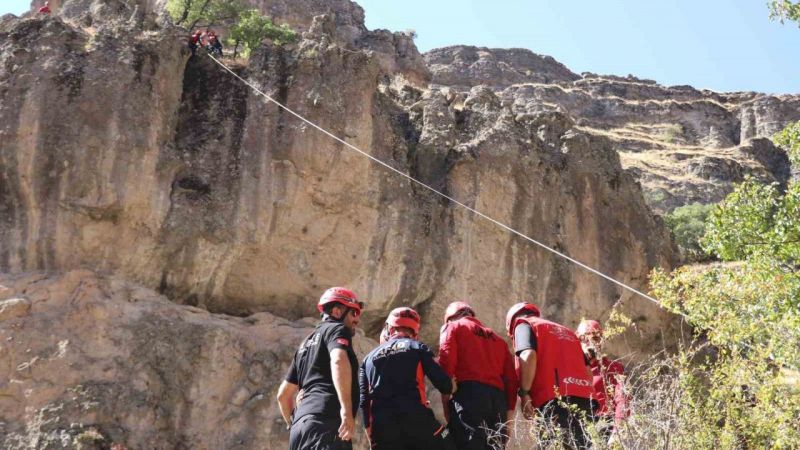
<point x="724" y="45"/>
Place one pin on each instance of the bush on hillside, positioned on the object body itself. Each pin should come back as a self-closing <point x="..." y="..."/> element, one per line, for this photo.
<point x="687" y="224"/>
<point x="253" y="27"/>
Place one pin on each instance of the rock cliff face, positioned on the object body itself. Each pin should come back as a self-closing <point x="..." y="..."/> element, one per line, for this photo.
<point x="90" y="362"/>
<point x="685" y="145"/>
<point x="122" y="156"/>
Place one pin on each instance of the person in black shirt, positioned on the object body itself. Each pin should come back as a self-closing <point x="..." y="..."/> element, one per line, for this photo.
<point x="324" y="367"/>
<point x="391" y="378"/>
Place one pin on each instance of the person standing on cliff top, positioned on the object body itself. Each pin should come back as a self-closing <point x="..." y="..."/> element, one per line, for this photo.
<point x="607" y="379"/>
<point x="45" y="9"/>
<point x="324" y="367"/>
<point x="487" y="383"/>
<point x="392" y="381"/>
<point x="555" y="379"/>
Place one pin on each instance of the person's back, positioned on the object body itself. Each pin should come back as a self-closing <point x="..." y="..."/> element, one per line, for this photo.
<point x="484" y="367"/>
<point x="392" y="383"/>
<point x="313" y="370"/>
<point x="325" y="369"/>
<point x="554" y="375"/>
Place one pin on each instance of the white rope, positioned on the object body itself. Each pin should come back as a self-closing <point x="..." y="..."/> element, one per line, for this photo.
<point x="420" y="183"/>
<point x="473" y="210"/>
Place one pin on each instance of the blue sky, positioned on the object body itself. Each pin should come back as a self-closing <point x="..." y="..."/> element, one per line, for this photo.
<point x="724" y="45"/>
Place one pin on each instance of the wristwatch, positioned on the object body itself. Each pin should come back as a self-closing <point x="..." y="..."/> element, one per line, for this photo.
<point x="522" y="392"/>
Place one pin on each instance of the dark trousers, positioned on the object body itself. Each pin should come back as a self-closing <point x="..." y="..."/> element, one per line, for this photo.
<point x="570" y="413"/>
<point x="417" y="431"/>
<point x="478" y="416"/>
<point x="312" y="432"/>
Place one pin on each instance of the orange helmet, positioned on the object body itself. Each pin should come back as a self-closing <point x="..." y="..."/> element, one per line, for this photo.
<point x="455" y="308"/>
<point x="404" y="317"/>
<point x="518" y="309"/>
<point x="343" y="296"/>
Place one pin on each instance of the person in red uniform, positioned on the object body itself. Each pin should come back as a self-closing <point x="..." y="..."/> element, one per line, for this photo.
<point x="45" y="9"/>
<point x="487" y="382"/>
<point x="194" y="41"/>
<point x="554" y="375"/>
<point x="325" y="368"/>
<point x="392" y="382"/>
<point x="607" y="378"/>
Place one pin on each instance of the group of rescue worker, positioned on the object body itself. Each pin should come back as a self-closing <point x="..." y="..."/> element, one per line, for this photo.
<point x="207" y="39"/>
<point x="554" y="372"/>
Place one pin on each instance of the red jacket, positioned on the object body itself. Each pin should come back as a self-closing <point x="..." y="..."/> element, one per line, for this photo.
<point x="560" y="365"/>
<point x="606" y="372"/>
<point x="44" y="10"/>
<point x="471" y="351"/>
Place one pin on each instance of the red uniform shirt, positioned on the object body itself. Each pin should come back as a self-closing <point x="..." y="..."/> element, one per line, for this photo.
<point x="560" y="364"/>
<point x="44" y="10"/>
<point x="607" y="384"/>
<point x="471" y="351"/>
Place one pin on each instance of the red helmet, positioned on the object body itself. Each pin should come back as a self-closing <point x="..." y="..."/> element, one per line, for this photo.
<point x="589" y="327"/>
<point x="340" y="295"/>
<point x="404" y="317"/>
<point x="455" y="308"/>
<point x="518" y="309"/>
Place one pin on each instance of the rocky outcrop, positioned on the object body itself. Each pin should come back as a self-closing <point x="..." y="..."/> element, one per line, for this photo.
<point x="216" y="218"/>
<point x="99" y="362"/>
<point x="187" y="182"/>
<point x="465" y="66"/>
<point x="650" y="125"/>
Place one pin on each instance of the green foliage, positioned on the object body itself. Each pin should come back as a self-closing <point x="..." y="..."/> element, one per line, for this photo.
<point x="739" y="392"/>
<point x="687" y="224"/>
<point x="784" y="10"/>
<point x="740" y="388"/>
<point x="756" y="222"/>
<point x="204" y="12"/>
<point x="252" y="28"/>
<point x="789" y="139"/>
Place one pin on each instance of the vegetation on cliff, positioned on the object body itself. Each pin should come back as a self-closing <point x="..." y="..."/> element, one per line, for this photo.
<point x="736" y="385"/>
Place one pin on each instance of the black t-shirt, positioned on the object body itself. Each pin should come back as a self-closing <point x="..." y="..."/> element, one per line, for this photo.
<point x="311" y="370"/>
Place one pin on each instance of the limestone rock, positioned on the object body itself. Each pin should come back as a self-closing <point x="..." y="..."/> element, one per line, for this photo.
<point x="102" y="361"/>
<point x="14" y="307"/>
<point x="649" y="124"/>
<point x="188" y="182"/>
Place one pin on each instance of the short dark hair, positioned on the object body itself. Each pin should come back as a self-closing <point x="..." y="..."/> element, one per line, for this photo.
<point x="405" y="330"/>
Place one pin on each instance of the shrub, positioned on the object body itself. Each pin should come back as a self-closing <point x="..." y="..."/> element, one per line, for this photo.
<point x="687" y="224"/>
<point x="252" y="28"/>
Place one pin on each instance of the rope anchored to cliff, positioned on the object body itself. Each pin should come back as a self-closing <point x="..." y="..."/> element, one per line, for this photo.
<point x="437" y="192"/>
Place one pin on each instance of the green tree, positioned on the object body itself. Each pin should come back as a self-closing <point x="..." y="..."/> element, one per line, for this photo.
<point x="252" y="28"/>
<point x="744" y="393"/>
<point x="783" y="10"/>
<point x="687" y="224"/>
<point x="789" y="139"/>
<point x="204" y="13"/>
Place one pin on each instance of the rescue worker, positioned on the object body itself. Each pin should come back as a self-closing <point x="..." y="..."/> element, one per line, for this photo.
<point x="487" y="383"/>
<point x="607" y="379"/>
<point x="554" y="375"/>
<point x="194" y="39"/>
<point x="326" y="369"/>
<point x="214" y="46"/>
<point x="392" y="381"/>
<point x="45" y="9"/>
